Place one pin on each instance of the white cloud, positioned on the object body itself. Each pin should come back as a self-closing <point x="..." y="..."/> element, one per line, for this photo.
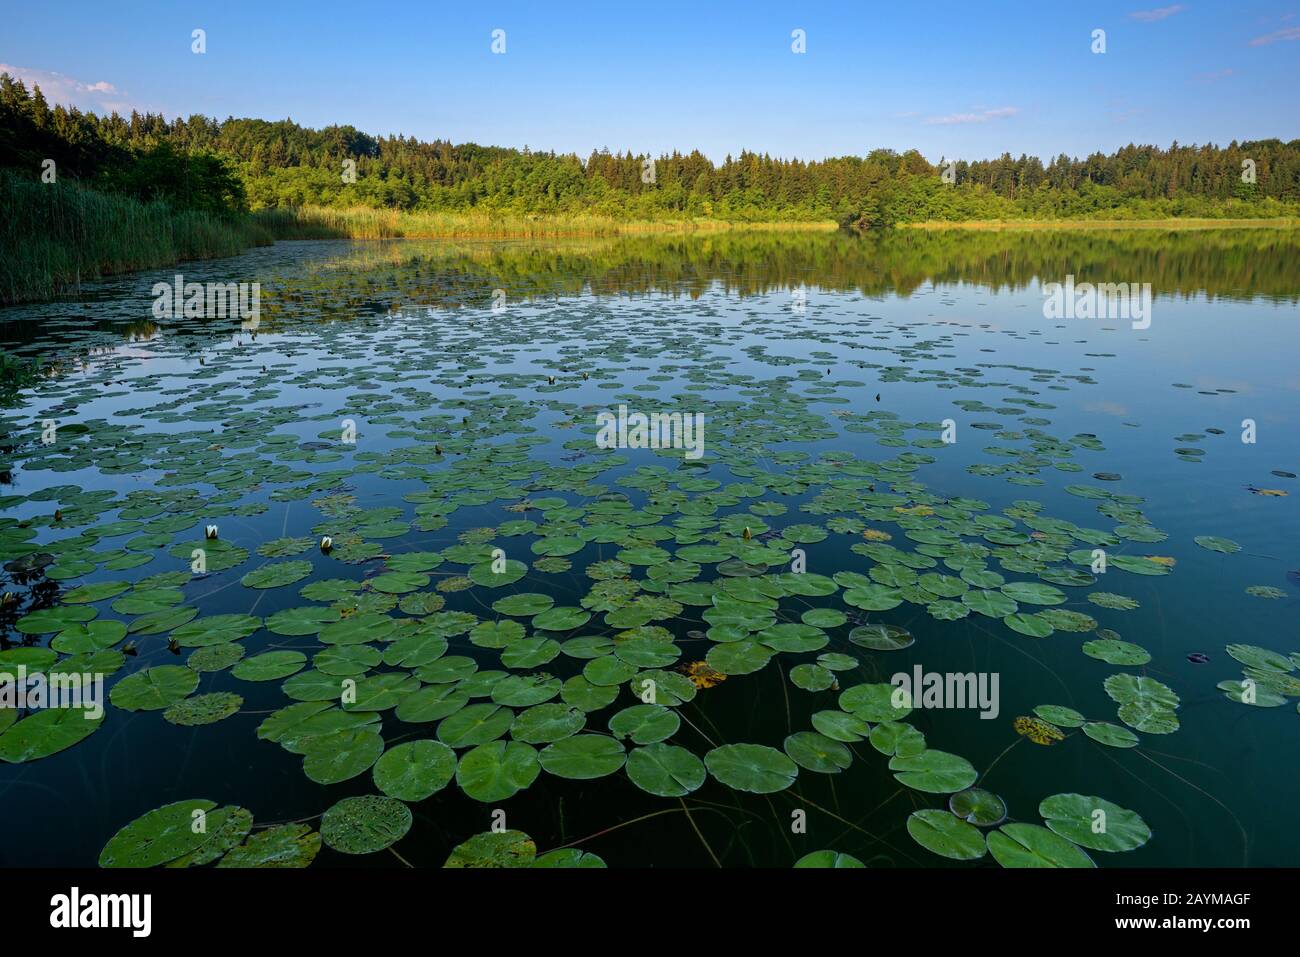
<point x="100" y="96"/>
<point x="1160" y="13"/>
<point x="982" y="116"/>
<point x="1290" y="33"/>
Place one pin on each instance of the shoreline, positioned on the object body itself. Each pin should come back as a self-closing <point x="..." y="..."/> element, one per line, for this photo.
<point x="319" y="222"/>
<point x="1188" y="222"/>
<point x="283" y="224"/>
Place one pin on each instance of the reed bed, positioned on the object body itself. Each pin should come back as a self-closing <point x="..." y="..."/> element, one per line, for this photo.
<point x="56" y="236"/>
<point x="321" y="222"/>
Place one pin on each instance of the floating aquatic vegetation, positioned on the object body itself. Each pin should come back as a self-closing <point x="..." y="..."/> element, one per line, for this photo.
<point x="203" y="709"/>
<point x="160" y="836"/>
<point x="1028" y="845"/>
<point x="978" y="806"/>
<point x="637" y="604"/>
<point x="830" y="859"/>
<point x="365" y="824"/>
<point x="1267" y="681"/>
<point x="1094" y="822"/>
<point x="1215" y="544"/>
<point x="283" y="845"/>
<point x="1038" y="731"/>
<point x="946" y="835"/>
<point x="1265" y="591"/>
<point x="1116" y="652"/>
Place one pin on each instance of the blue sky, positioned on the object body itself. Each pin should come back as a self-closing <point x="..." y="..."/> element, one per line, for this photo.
<point x="966" y="80"/>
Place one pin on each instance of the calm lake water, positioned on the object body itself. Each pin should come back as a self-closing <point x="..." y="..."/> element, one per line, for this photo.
<point x="830" y="370"/>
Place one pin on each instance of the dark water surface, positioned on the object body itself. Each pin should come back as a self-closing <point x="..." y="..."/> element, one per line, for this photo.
<point x="783" y="342"/>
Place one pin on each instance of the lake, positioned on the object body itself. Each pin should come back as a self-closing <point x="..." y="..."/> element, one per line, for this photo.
<point x="908" y="463"/>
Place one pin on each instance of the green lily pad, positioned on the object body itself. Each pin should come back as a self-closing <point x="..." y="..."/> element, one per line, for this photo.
<point x="1059" y="715"/>
<point x="497" y="770"/>
<point x="568" y="857"/>
<point x="154" y="688"/>
<point x="977" y="806"/>
<point x="665" y="770"/>
<point x="475" y="724"/>
<point x="215" y="630"/>
<point x="936" y="772"/>
<point x="1028" y="845"/>
<point x="365" y="824"/>
<point x="644" y="723"/>
<point x="203" y="709"/>
<point x="946" y="835"/>
<point x="876" y="702"/>
<point x="561" y="619"/>
<point x="331" y="758"/>
<point x="545" y="723"/>
<point x="839" y="726"/>
<point x="495" y="849"/>
<point x="583" y="756"/>
<point x="161" y="835"/>
<point x="276" y="574"/>
<point x="285" y="845"/>
<point x="882" y="637"/>
<point x="1111" y="735"/>
<point x="1094" y="822"/>
<point x="755" y="768"/>
<point x="1215" y="544"/>
<point x="47" y="732"/>
<point x="301" y="621"/>
<point x="487" y="575"/>
<point x="227" y="827"/>
<point x="816" y="752"/>
<point x="269" y="666"/>
<point x="828" y="859"/>
<point x="1116" y="652"/>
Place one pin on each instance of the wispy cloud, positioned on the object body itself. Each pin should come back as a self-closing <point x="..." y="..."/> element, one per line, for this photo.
<point x="1160" y="13"/>
<point x="982" y="116"/>
<point x="1290" y="33"/>
<point x="1216" y="75"/>
<point x="100" y="96"/>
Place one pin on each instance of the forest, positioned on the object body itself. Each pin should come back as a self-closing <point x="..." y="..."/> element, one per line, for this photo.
<point x="202" y="163"/>
<point x="88" y="195"/>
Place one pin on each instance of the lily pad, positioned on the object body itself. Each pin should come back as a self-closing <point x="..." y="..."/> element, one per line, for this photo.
<point x="936" y="772"/>
<point x="755" y="768"/>
<point x="665" y="770"/>
<point x="47" y="732"/>
<point x="584" y="756"/>
<point x="978" y="806"/>
<point x="365" y="824"/>
<point x="946" y="835"/>
<point x="413" y="770"/>
<point x="161" y="835"/>
<point x="497" y="770"/>
<point x="154" y="688"/>
<point x="1094" y="822"/>
<point x="203" y="709"/>
<point x="282" y="846"/>
<point x="1028" y="845"/>
<point x="494" y="849"/>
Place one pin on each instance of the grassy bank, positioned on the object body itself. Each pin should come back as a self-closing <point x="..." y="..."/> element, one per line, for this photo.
<point x="1188" y="222"/>
<point x="55" y="236"/>
<point x="321" y="222"/>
